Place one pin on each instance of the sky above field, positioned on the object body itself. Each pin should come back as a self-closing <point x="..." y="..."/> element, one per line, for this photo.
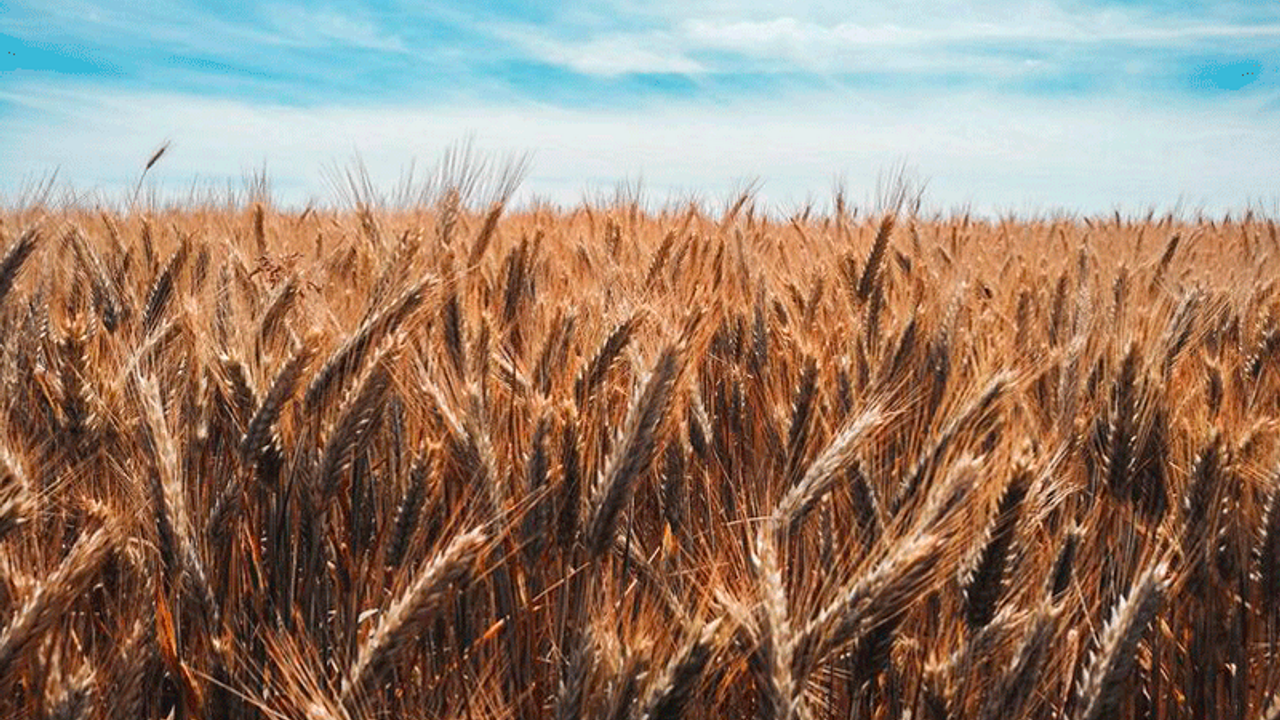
<point x="1001" y="106"/>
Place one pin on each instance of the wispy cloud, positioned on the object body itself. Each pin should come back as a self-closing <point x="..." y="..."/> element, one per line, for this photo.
<point x="791" y="34"/>
<point x="607" y="56"/>
<point x="719" y="44"/>
<point x="304" y="26"/>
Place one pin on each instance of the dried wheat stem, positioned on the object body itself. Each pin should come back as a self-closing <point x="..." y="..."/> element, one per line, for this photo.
<point x="633" y="455"/>
<point x="52" y="596"/>
<point x="671" y="691"/>
<point x="781" y="697"/>
<point x="1114" y="658"/>
<point x="420" y="603"/>
<point x="14" y="260"/>
<point x="826" y="469"/>
<point x="1009" y="697"/>
<point x="257" y="434"/>
<point x="881" y="594"/>
<point x="348" y="360"/>
<point x="17" y="502"/>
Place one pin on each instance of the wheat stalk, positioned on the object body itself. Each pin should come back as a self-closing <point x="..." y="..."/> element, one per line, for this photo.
<point x="418" y="604"/>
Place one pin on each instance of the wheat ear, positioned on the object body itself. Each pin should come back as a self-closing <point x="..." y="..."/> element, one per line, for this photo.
<point x="52" y="596"/>
<point x="420" y="603"/>
<point x="1112" y="662"/>
<point x="633" y="455"/>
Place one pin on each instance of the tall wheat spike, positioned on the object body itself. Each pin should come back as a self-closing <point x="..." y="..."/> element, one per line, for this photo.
<point x="417" y="605"/>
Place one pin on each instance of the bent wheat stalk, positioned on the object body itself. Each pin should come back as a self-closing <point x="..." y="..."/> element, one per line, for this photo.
<point x="420" y="603"/>
<point x="52" y="596"/>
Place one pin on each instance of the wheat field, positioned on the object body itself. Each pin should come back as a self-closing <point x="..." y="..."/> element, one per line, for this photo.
<point x="609" y="462"/>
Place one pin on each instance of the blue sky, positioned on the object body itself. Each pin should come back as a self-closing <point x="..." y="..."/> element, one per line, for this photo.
<point x="1001" y="105"/>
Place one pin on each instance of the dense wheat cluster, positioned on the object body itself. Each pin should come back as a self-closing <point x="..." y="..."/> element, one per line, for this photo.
<point x="603" y="463"/>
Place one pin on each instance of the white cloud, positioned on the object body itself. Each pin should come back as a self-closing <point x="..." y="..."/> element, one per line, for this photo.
<point x="974" y="148"/>
<point x="750" y="37"/>
<point x="178" y="26"/>
<point x="824" y="37"/>
<point x="784" y="44"/>
<point x="936" y="14"/>
<point x="606" y="56"/>
<point x="330" y="26"/>
<point x="764" y="36"/>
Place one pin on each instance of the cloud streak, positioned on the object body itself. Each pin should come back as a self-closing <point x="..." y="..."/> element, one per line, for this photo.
<point x="607" y="56"/>
<point x="699" y="45"/>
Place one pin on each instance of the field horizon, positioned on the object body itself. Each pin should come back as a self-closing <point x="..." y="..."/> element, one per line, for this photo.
<point x="485" y="178"/>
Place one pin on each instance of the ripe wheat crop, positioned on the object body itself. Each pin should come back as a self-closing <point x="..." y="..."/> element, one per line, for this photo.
<point x="602" y="462"/>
